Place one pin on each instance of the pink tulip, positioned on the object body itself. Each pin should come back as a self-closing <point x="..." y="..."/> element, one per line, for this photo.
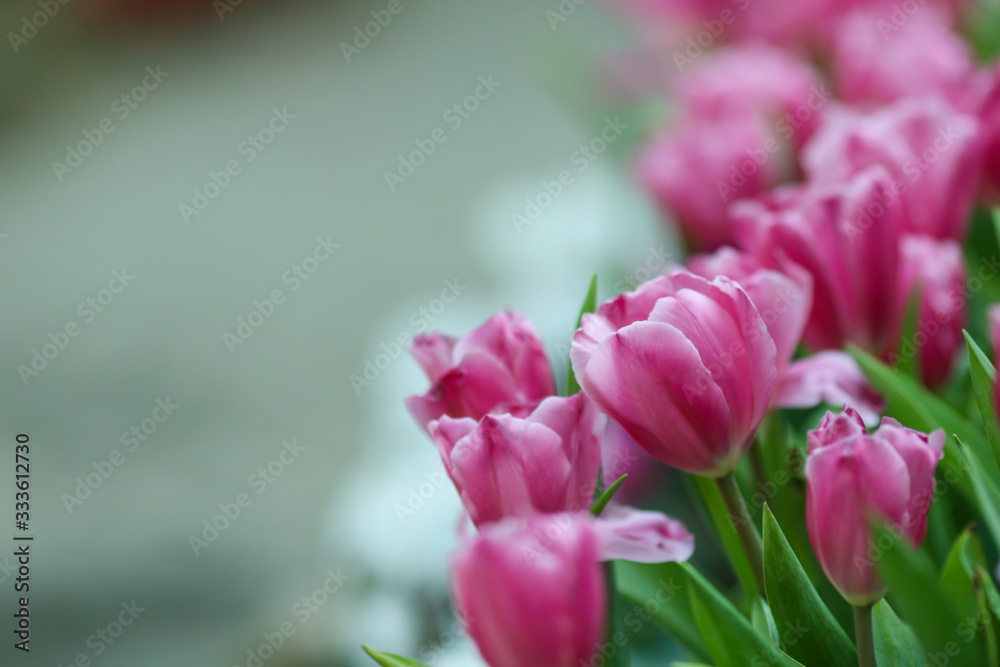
<point x="846" y="236"/>
<point x="499" y="367"/>
<point x="759" y="81"/>
<point x="508" y="466"/>
<point x="831" y="377"/>
<point x="853" y="476"/>
<point x="783" y="299"/>
<point x="931" y="151"/>
<point x="689" y="377"/>
<point x="990" y="119"/>
<point x="937" y="269"/>
<point x="876" y="62"/>
<point x="698" y="168"/>
<point x="532" y="591"/>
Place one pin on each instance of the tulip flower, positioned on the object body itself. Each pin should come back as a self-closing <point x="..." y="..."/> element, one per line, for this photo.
<point x="508" y="466"/>
<point x="784" y="301"/>
<point x="854" y="477"/>
<point x="533" y="592"/>
<point x="499" y="367"/>
<point x="990" y="124"/>
<point x="937" y="270"/>
<point x="755" y="80"/>
<point x="689" y="377"/>
<point x="846" y="236"/>
<point x="928" y="148"/>
<point x="922" y="57"/>
<point x="698" y="168"/>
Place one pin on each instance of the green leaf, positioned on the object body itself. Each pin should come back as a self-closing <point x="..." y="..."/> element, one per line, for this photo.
<point x="986" y="495"/>
<point x="795" y="603"/>
<point x="984" y="378"/>
<point x="589" y="306"/>
<point x="606" y="497"/>
<point x="917" y="593"/>
<point x="762" y="620"/>
<point x="895" y="643"/>
<point x="730" y="638"/>
<point x="909" y="364"/>
<point x="660" y="590"/>
<point x="726" y="530"/>
<point x="962" y="582"/>
<point x="391" y="660"/>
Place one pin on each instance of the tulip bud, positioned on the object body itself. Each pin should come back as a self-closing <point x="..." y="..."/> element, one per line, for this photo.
<point x="532" y="591"/>
<point x="499" y="367"/>
<point x="854" y="478"/>
<point x="507" y="466"/>
<point x="928" y="148"/>
<point x="937" y="270"/>
<point x="689" y="377"/>
<point x="698" y="168"/>
<point x="846" y="236"/>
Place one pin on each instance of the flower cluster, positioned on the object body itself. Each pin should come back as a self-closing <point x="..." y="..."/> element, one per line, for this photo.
<point x="824" y="165"/>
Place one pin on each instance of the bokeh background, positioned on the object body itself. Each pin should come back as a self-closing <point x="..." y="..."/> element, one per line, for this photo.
<point x="358" y="500"/>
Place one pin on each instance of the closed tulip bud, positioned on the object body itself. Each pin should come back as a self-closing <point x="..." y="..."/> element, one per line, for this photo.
<point x="937" y="270"/>
<point x="533" y="592"/>
<point x="929" y="149"/>
<point x="508" y="466"/>
<point x="854" y="479"/>
<point x="686" y="366"/>
<point x="499" y="367"/>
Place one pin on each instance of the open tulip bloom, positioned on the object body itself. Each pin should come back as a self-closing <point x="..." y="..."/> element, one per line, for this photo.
<point x="820" y="380"/>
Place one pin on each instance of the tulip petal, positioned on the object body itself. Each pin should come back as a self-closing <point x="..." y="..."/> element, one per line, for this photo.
<point x="643" y="537"/>
<point x="830" y="377"/>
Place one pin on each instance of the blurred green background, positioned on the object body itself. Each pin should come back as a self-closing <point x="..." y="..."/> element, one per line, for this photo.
<point x="334" y="507"/>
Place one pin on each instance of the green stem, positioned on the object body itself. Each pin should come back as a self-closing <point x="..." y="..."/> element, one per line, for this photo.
<point x="622" y="657"/>
<point x="863" y="636"/>
<point x="744" y="526"/>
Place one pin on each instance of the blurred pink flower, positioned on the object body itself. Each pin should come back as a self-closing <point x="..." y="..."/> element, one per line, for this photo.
<point x="932" y="152"/>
